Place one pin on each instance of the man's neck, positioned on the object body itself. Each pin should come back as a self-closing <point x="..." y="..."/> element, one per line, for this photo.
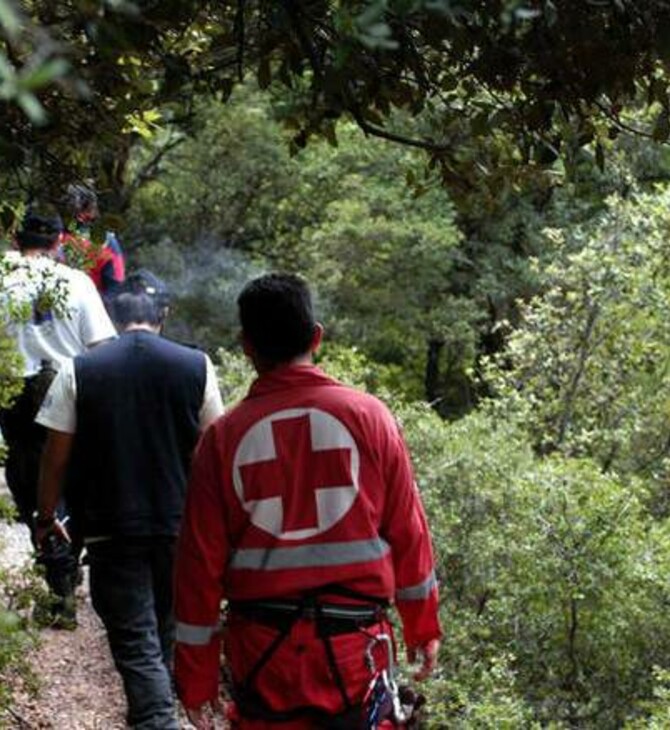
<point x="142" y="327"/>
<point x="262" y="368"/>
<point x="34" y="252"/>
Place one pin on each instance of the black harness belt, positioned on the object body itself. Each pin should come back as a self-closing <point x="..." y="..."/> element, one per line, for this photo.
<point x="333" y="619"/>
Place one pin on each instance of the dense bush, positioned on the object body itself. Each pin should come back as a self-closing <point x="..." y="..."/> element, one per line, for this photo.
<point x="554" y="576"/>
<point x="392" y="272"/>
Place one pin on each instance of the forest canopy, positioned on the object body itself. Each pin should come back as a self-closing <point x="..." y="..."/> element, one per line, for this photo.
<point x="476" y="84"/>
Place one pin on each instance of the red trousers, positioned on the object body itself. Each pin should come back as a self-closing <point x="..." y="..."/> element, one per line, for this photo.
<point x="299" y="672"/>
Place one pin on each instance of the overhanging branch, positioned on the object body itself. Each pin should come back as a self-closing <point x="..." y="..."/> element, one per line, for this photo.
<point x="375" y="131"/>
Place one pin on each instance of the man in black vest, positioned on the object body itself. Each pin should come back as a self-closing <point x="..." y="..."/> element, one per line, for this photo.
<point x="124" y="420"/>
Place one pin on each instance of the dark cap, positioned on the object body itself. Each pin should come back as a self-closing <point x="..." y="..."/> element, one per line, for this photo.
<point x="143" y="297"/>
<point x="146" y="282"/>
<point x="39" y="231"/>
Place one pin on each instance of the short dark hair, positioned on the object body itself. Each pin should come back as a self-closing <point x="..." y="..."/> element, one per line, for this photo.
<point x="39" y="231"/>
<point x="277" y="316"/>
<point x="143" y="298"/>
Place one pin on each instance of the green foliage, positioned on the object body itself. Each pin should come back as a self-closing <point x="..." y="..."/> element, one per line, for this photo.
<point x="492" y="702"/>
<point x="18" y="85"/>
<point x="385" y="265"/>
<point x="495" y="93"/>
<point x="588" y="365"/>
<point x="18" y="591"/>
<point x="204" y="281"/>
<point x="352" y="367"/>
<point x="13" y="643"/>
<point x="551" y="571"/>
<point x="381" y="258"/>
<point x="398" y="272"/>
<point x="123" y="59"/>
<point x="657" y="710"/>
<point x="222" y="184"/>
<point x="235" y="375"/>
<point x="7" y="509"/>
<point x="11" y="366"/>
<point x="48" y="294"/>
<point x="549" y="502"/>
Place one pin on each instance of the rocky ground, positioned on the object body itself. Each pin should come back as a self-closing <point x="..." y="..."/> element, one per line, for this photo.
<point x="79" y="688"/>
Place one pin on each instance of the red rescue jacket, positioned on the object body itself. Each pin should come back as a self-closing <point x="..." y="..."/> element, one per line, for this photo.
<point x="306" y="483"/>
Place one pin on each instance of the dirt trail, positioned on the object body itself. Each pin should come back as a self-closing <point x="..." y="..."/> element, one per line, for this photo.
<point x="79" y="688"/>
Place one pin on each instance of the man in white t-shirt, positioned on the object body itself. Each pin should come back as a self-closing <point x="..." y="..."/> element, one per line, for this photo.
<point x="53" y="313"/>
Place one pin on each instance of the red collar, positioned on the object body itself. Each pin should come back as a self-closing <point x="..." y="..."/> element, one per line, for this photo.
<point x="289" y="376"/>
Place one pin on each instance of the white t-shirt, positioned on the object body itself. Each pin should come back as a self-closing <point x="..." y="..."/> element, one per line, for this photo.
<point x="59" y="413"/>
<point x="78" y="321"/>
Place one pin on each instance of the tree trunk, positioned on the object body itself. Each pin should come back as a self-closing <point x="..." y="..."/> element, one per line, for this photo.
<point x="433" y="371"/>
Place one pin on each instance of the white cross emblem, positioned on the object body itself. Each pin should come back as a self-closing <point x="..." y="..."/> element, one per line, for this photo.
<point x="296" y="472"/>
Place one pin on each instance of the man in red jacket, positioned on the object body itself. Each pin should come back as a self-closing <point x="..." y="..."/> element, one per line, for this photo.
<point x="303" y="513"/>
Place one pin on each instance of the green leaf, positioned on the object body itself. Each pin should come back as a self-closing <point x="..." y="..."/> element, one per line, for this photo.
<point x="10" y="18"/>
<point x="10" y="622"/>
<point x="32" y="107"/>
<point x="46" y="72"/>
<point x="527" y="13"/>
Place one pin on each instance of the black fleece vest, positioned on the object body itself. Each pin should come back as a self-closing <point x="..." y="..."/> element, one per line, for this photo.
<point x="138" y="400"/>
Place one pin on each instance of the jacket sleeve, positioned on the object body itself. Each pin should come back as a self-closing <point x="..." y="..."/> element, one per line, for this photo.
<point x="202" y="553"/>
<point x="406" y="530"/>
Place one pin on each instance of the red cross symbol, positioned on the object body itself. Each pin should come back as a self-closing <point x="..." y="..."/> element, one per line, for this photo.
<point x="296" y="473"/>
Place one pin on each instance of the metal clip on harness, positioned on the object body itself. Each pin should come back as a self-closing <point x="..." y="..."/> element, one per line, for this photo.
<point x="383" y="686"/>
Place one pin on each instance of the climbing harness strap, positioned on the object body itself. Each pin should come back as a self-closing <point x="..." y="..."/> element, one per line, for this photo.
<point x="330" y="619"/>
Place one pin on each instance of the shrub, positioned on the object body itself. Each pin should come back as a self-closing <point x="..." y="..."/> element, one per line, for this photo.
<point x="549" y="569"/>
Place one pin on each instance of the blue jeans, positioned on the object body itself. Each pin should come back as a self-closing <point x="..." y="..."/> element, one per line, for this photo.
<point x="131" y="591"/>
